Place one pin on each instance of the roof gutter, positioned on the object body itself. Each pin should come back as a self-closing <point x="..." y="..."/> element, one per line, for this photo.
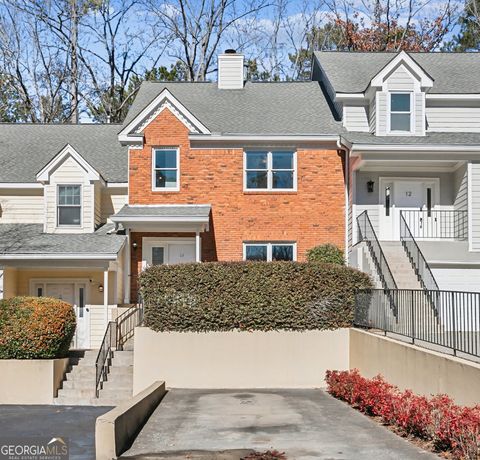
<point x="414" y="148"/>
<point x="263" y="138"/>
<point x="66" y="256"/>
<point x="159" y="219"/>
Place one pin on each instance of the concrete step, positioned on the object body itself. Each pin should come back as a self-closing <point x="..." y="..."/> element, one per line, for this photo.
<point x="120" y="394"/>
<point x="78" y="384"/>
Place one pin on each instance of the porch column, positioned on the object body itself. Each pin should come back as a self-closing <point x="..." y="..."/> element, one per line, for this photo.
<point x="1" y="283"/>
<point x="198" y="247"/>
<point x="105" y="293"/>
<point x="126" y="271"/>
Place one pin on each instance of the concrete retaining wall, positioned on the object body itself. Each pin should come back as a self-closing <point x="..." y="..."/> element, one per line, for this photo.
<point x="116" y="430"/>
<point x="238" y="359"/>
<point x="33" y="381"/>
<point x="421" y="370"/>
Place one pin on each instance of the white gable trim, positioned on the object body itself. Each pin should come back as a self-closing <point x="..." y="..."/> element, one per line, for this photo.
<point x="165" y="100"/>
<point x="68" y="150"/>
<point x="402" y="58"/>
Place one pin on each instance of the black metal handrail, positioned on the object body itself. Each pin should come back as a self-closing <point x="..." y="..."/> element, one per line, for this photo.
<point x="438" y="224"/>
<point x="126" y="324"/>
<point x="457" y="326"/>
<point x="104" y="357"/>
<point x="116" y="335"/>
<point x="367" y="234"/>
<point x="417" y="259"/>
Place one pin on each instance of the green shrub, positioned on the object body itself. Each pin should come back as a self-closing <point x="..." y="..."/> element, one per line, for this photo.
<point x="249" y="296"/>
<point x="326" y="253"/>
<point x="35" y="327"/>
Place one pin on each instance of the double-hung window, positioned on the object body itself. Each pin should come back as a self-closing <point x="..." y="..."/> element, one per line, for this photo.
<point x="69" y="205"/>
<point x="400" y="112"/>
<point x="166" y="169"/>
<point x="269" y="251"/>
<point x="270" y="170"/>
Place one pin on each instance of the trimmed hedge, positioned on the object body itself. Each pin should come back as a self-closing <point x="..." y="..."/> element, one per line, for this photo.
<point x="35" y="328"/>
<point x="265" y="296"/>
<point x="327" y="254"/>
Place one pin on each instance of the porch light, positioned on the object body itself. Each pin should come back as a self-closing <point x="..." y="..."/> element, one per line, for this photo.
<point x="370" y="186"/>
<point x="100" y="288"/>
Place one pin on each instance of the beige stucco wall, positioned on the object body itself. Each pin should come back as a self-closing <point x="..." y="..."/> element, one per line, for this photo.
<point x="30" y="381"/>
<point x="9" y="283"/>
<point x="238" y="359"/>
<point x="421" y="370"/>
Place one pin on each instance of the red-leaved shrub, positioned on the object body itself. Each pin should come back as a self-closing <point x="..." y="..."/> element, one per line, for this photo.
<point x="451" y="428"/>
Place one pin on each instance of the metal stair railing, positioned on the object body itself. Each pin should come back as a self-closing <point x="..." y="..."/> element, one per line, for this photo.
<point x="115" y="337"/>
<point x="419" y="263"/>
<point x="367" y="234"/>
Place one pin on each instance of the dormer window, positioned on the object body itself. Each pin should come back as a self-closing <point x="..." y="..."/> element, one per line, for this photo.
<point x="400" y="112"/>
<point x="69" y="206"/>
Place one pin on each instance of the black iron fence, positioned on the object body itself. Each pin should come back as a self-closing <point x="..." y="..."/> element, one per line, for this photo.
<point x="443" y="224"/>
<point x="452" y="322"/>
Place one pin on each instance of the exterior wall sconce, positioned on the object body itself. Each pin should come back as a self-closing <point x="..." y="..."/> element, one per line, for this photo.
<point x="134" y="245"/>
<point x="370" y="186"/>
<point x="100" y="285"/>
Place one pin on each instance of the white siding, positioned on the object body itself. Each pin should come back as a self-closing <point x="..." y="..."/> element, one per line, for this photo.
<point x="21" y="206"/>
<point x="230" y="71"/>
<point x="400" y="80"/>
<point x="457" y="279"/>
<point x="69" y="172"/>
<point x="373" y="115"/>
<point x="453" y="116"/>
<point x="355" y="118"/>
<point x="381" y="114"/>
<point x="419" y="114"/>
<point x="461" y="188"/>
<point x="475" y="206"/>
<point x="98" y="205"/>
<point x="113" y="199"/>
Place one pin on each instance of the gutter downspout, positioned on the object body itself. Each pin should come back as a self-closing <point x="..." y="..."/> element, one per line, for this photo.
<point x="342" y="146"/>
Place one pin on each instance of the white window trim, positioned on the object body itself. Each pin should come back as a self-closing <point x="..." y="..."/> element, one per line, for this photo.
<point x="166" y="189"/>
<point x="270" y="188"/>
<point x="411" y="113"/>
<point x="269" y="245"/>
<point x="57" y="220"/>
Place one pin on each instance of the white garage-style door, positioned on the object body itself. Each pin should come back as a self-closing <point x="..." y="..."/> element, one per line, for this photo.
<point x="74" y="293"/>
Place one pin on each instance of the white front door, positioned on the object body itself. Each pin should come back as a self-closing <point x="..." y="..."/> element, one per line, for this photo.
<point x="404" y="195"/>
<point x="74" y="294"/>
<point x="158" y="252"/>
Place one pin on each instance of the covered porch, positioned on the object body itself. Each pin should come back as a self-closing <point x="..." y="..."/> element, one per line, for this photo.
<point x="84" y="270"/>
<point x="427" y="199"/>
<point x="163" y="234"/>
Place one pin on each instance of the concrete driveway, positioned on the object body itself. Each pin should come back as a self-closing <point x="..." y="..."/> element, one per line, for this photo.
<point x="305" y="424"/>
<point x="77" y="423"/>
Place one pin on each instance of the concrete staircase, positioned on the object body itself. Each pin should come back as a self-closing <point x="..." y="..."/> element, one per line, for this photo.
<point x="78" y="388"/>
<point x="400" y="266"/>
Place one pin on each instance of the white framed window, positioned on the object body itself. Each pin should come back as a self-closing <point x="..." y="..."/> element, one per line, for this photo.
<point x="166" y="169"/>
<point x="266" y="170"/>
<point x="69" y="205"/>
<point x="400" y="119"/>
<point x="269" y="251"/>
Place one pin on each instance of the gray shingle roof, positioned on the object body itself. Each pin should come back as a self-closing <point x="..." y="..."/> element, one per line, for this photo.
<point x="258" y="108"/>
<point x="26" y="148"/>
<point x="201" y="210"/>
<point x="351" y="72"/>
<point x="471" y="139"/>
<point x="30" y="239"/>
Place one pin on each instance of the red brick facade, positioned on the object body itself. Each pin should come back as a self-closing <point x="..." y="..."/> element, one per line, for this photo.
<point x="312" y="215"/>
